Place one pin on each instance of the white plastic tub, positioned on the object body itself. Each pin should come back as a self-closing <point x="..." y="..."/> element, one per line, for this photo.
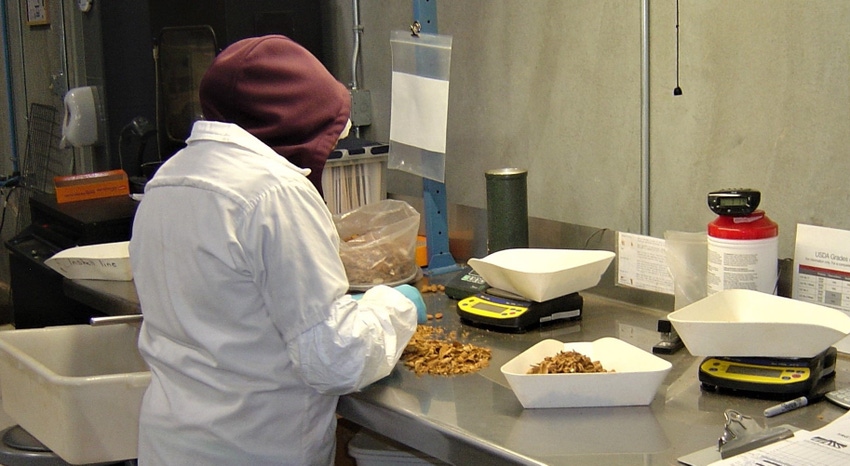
<point x="370" y="449"/>
<point x="76" y="388"/>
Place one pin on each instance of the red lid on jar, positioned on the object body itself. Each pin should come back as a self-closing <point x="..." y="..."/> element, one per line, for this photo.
<point x="753" y="226"/>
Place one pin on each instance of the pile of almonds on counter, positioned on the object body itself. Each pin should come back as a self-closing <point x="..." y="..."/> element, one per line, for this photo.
<point x="433" y="289"/>
<point x="430" y="351"/>
<point x="566" y="362"/>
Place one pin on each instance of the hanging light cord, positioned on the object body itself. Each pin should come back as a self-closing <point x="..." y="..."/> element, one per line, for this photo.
<point x="677" y="90"/>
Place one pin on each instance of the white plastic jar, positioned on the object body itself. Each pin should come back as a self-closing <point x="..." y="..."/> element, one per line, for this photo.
<point x="743" y="253"/>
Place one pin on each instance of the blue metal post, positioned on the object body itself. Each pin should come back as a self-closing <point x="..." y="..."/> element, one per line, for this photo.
<point x="440" y="259"/>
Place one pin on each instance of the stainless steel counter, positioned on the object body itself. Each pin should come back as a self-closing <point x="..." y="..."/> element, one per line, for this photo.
<point x="476" y="419"/>
<point x="110" y="297"/>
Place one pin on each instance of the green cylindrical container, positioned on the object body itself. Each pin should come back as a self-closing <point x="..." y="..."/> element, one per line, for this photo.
<point x="507" y="209"/>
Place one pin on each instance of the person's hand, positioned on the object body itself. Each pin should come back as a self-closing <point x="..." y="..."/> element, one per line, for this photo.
<point x="414" y="295"/>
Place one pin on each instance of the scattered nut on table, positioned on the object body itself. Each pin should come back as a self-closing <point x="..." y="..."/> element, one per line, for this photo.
<point x="431" y="288"/>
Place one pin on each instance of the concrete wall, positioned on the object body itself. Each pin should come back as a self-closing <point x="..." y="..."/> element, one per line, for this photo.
<point x="554" y="87"/>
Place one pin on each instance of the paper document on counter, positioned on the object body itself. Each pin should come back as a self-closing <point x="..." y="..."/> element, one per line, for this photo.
<point x="822" y="269"/>
<point x="827" y="446"/>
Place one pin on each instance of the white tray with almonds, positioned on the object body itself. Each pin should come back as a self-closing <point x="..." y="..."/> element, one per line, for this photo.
<point x="632" y="375"/>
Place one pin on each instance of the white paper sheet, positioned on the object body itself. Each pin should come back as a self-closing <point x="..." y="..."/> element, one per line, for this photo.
<point x="827" y="446"/>
<point x="419" y="110"/>
<point x="642" y="263"/>
<point x="822" y="269"/>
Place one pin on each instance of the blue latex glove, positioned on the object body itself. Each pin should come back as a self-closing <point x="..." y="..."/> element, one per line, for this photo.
<point x="414" y="295"/>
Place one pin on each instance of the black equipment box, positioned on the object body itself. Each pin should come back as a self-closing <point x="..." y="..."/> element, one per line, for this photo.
<point x="38" y="299"/>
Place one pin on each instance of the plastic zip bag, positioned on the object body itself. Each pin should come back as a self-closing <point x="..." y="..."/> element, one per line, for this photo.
<point x="378" y="243"/>
<point x="420" y="100"/>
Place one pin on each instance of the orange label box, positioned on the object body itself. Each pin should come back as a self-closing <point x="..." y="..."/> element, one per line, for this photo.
<point x="91" y="186"/>
<point x="421" y="251"/>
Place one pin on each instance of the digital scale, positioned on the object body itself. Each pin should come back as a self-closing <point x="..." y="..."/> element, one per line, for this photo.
<point x="734" y="202"/>
<point x="483" y="306"/>
<point x="465" y="284"/>
<point x="779" y="377"/>
<point x="500" y="310"/>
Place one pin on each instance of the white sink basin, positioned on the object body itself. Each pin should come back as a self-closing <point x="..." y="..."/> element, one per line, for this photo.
<point x="76" y="388"/>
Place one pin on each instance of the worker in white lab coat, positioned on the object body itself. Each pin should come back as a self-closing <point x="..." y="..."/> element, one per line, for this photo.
<point x="248" y="330"/>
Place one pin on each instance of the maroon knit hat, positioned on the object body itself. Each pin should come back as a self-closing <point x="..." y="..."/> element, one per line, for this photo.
<point x="278" y="91"/>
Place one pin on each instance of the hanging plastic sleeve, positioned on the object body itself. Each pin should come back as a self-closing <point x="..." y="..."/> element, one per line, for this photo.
<point x="420" y="102"/>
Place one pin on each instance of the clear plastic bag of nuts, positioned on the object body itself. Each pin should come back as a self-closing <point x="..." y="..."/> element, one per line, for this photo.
<point x="378" y="243"/>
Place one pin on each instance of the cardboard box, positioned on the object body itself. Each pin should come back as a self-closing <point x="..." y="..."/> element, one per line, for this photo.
<point x="91" y="186"/>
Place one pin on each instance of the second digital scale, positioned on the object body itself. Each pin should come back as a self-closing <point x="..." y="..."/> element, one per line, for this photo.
<point x="501" y="310"/>
<point x="776" y="377"/>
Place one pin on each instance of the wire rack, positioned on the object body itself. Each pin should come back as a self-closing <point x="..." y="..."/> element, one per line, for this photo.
<point x="42" y="159"/>
<point x="39" y="164"/>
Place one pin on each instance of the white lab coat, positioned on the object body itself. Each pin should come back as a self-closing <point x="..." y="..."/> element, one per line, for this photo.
<point x="248" y="330"/>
